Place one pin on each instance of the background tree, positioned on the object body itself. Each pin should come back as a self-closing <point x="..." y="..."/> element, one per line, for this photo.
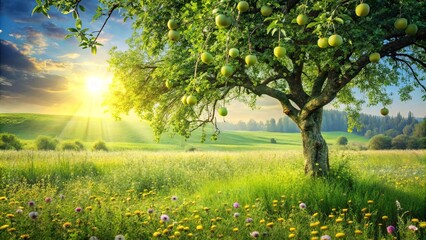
<point x="164" y="63"/>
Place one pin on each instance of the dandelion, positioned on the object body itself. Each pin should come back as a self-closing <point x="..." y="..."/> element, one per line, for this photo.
<point x="4" y="227"/>
<point x="174" y="198"/>
<point x="315" y="224"/>
<point x="302" y="206"/>
<point x="11" y="229"/>
<point x="150" y="211"/>
<point x="25" y="236"/>
<point x="236" y="205"/>
<point x="340" y="235"/>
<point x="164" y="218"/>
<point x="137" y="212"/>
<point x="249" y="220"/>
<point x="415" y="220"/>
<point x="323" y="228"/>
<point x="66" y="225"/>
<point x="358" y="232"/>
<point x="176" y="234"/>
<point x="314" y="233"/>
<point x="255" y="234"/>
<point x="156" y="234"/>
<point x="48" y="200"/>
<point x="292" y="229"/>
<point x="370" y="201"/>
<point x="385" y="218"/>
<point x="391" y="229"/>
<point x="235" y="229"/>
<point x="120" y="237"/>
<point x="236" y="215"/>
<point x="200" y="227"/>
<point x="291" y="235"/>
<point x="325" y="237"/>
<point x="93" y="238"/>
<point x="422" y="224"/>
<point x="3" y="198"/>
<point x="10" y="215"/>
<point x="412" y="228"/>
<point x="31" y="203"/>
<point x="78" y="209"/>
<point x="33" y="215"/>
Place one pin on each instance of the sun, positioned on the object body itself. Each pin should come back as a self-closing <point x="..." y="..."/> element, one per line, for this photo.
<point x="96" y="85"/>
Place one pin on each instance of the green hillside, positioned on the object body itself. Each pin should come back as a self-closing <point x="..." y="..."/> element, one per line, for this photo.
<point x="134" y="134"/>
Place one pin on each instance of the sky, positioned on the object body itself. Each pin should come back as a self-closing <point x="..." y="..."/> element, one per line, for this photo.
<point x="41" y="72"/>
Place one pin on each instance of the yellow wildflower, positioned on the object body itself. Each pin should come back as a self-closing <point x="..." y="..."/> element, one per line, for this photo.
<point x="323" y="228"/>
<point x="200" y="227"/>
<point x="66" y="225"/>
<point x="156" y="234"/>
<point x="291" y="235"/>
<point x="25" y="236"/>
<point x="270" y="224"/>
<point x="340" y="235"/>
<point x="358" y="232"/>
<point x="235" y="229"/>
<point x="4" y="227"/>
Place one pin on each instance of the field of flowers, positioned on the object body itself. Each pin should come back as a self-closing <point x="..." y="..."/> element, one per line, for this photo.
<point x="210" y="195"/>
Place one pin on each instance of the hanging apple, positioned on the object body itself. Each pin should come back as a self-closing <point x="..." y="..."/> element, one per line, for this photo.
<point x="374" y="57"/>
<point x="251" y="59"/>
<point x="191" y="100"/>
<point x="227" y="70"/>
<point x="401" y="23"/>
<point x="335" y="40"/>
<point x="362" y="10"/>
<point x="206" y="58"/>
<point x="279" y="52"/>
<point x="323" y="42"/>
<point x="302" y="19"/>
<point x="243" y="6"/>
<point x="222" y="111"/>
<point x="233" y="52"/>
<point x="174" y="35"/>
<point x="172" y="24"/>
<point x="266" y="11"/>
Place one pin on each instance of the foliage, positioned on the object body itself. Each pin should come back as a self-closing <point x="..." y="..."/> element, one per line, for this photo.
<point x="116" y="190"/>
<point x="9" y="142"/>
<point x="400" y="142"/>
<point x="420" y="129"/>
<point x="273" y="140"/>
<point x="380" y="142"/>
<point x="75" y="145"/>
<point x="342" y="140"/>
<point x="99" y="146"/>
<point x="46" y="143"/>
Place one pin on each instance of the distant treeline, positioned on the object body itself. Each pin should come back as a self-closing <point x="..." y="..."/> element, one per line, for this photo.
<point x="337" y="121"/>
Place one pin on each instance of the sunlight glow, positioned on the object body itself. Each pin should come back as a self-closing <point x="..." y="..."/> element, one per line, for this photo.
<point x="96" y="85"/>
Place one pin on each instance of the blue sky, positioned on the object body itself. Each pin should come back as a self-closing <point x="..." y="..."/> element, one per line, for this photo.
<point x="42" y="72"/>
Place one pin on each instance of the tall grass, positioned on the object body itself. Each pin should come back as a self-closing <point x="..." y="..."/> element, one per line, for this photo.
<point x="268" y="185"/>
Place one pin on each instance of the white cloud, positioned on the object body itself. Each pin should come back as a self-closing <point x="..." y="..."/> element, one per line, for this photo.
<point x="70" y="56"/>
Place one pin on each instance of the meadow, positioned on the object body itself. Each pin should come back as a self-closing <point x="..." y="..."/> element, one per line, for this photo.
<point x="211" y="195"/>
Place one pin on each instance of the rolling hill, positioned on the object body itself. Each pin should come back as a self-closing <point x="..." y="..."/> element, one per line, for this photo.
<point x="134" y="134"/>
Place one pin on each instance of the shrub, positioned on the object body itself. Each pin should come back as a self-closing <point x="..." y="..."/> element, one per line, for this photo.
<point x="380" y="142"/>
<point x="46" y="143"/>
<point x="273" y="140"/>
<point x="400" y="142"/>
<point x="72" y="145"/>
<point x="99" y="146"/>
<point x="422" y="143"/>
<point x="9" y="142"/>
<point x="342" y="140"/>
<point x="413" y="143"/>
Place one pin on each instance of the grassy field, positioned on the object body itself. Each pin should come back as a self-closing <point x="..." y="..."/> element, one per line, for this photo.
<point x="210" y="195"/>
<point x="135" y="135"/>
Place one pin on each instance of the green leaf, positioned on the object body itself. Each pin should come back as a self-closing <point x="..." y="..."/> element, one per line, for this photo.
<point x="312" y="24"/>
<point x="94" y="50"/>
<point x="72" y="30"/>
<point x="339" y="20"/>
<point x="78" y="23"/>
<point x="83" y="9"/>
<point x="68" y="36"/>
<point x="74" y="15"/>
<point x="37" y="9"/>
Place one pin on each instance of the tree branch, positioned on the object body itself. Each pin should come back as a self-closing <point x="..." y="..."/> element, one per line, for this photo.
<point x="412" y="71"/>
<point x="412" y="58"/>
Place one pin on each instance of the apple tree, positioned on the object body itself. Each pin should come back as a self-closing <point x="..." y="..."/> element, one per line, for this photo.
<point x="188" y="59"/>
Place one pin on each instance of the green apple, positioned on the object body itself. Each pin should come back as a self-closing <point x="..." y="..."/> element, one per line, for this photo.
<point x="174" y="35"/>
<point x="191" y="100"/>
<point x="233" y="52"/>
<point x="222" y="111"/>
<point x="302" y="19"/>
<point x="266" y="11"/>
<point x="384" y="111"/>
<point x="362" y="10"/>
<point x="411" y="30"/>
<point x="206" y="58"/>
<point x="279" y="52"/>
<point x="401" y="23"/>
<point x="169" y="84"/>
<point x="183" y="99"/>
<point x="172" y="24"/>
<point x="227" y="70"/>
<point x="374" y="57"/>
<point x="335" y="40"/>
<point x="251" y="59"/>
<point x="222" y="21"/>
<point x="243" y="6"/>
<point x="323" y="42"/>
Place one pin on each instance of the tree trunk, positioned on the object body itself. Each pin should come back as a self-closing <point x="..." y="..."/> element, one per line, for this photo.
<point x="315" y="148"/>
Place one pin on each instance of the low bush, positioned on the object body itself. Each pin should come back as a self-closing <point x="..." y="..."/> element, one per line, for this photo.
<point x="9" y="142"/>
<point x="99" y="146"/>
<point x="46" y="143"/>
<point x="380" y="142"/>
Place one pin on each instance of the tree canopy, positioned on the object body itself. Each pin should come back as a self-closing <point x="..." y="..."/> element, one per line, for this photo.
<point x="181" y="49"/>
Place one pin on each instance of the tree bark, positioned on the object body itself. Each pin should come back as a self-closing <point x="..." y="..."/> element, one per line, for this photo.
<point x="315" y="148"/>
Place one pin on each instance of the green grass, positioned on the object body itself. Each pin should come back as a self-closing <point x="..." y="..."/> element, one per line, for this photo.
<point x="132" y="135"/>
<point x="116" y="189"/>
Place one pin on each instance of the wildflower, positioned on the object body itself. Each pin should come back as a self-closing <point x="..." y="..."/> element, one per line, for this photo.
<point x="292" y="229"/>
<point x="213" y="227"/>
<point x="31" y="203"/>
<point x="255" y="234"/>
<point x="236" y="205"/>
<point x="156" y="234"/>
<point x="415" y="220"/>
<point x="3" y="198"/>
<point x="10" y="215"/>
<point x="62" y="196"/>
<point x="48" y="200"/>
<point x="302" y="205"/>
<point x="325" y="237"/>
<point x="412" y="228"/>
<point x="174" y="198"/>
<point x="200" y="227"/>
<point x="66" y="225"/>
<point x="19" y="211"/>
<point x="398" y="205"/>
<point x="370" y="201"/>
<point x="340" y="235"/>
<point x="235" y="229"/>
<point x="25" y="236"/>
<point x="78" y="209"/>
<point x="127" y="214"/>
<point x="262" y="221"/>
<point x="315" y="214"/>
<point x="190" y="235"/>
<point x="314" y="224"/>
<point x="176" y="234"/>
<point x="164" y="218"/>
<point x="11" y="229"/>
<point x="120" y="237"/>
<point x="291" y="235"/>
<point x="249" y="220"/>
<point x="280" y="220"/>
<point x="385" y="218"/>
<point x="323" y="228"/>
<point x="137" y="212"/>
<point x="93" y="238"/>
<point x="270" y="224"/>
<point x="367" y="215"/>
<point x="314" y="233"/>
<point x="236" y="215"/>
<point x="391" y="229"/>
<point x="358" y="232"/>
<point x="422" y="224"/>
<point x="4" y="227"/>
<point x="150" y="211"/>
<point x="33" y="215"/>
